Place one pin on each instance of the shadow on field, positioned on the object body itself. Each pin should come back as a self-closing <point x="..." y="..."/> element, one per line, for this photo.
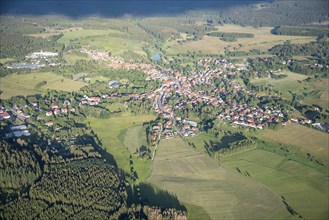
<point x="150" y="195"/>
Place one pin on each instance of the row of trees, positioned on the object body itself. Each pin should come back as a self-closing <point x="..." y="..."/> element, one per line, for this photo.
<point x="300" y="31"/>
<point x="231" y="34"/>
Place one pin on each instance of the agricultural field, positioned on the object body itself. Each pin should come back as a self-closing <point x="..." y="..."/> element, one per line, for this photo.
<point x="305" y="189"/>
<point x="112" y="133"/>
<point x="263" y="40"/>
<point x="27" y="84"/>
<point x="302" y="138"/>
<point x="205" y="186"/>
<point x="293" y="82"/>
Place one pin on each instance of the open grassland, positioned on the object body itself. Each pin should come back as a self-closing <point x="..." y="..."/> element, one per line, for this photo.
<point x="84" y="33"/>
<point x="305" y="189"/>
<point x="319" y="94"/>
<point x="293" y="82"/>
<point x="112" y="133"/>
<point x="134" y="138"/>
<point x="302" y="138"/>
<point x="199" y="181"/>
<point x="6" y="60"/>
<point x="105" y="40"/>
<point x="25" y="84"/>
<point x="73" y="56"/>
<point x="263" y="40"/>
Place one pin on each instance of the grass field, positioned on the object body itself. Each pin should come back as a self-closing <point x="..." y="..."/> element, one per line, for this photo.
<point x="6" y="60"/>
<point x="320" y="93"/>
<point x="24" y="84"/>
<point x="134" y="138"/>
<point x="73" y="56"/>
<point x="305" y="189"/>
<point x="112" y="133"/>
<point x="305" y="139"/>
<point x="106" y="40"/>
<point x="284" y="85"/>
<point x="200" y="182"/>
<point x="263" y="40"/>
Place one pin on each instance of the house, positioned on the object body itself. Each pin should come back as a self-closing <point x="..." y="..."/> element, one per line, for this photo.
<point x="54" y="105"/>
<point x="64" y="110"/>
<point x="50" y="113"/>
<point x="57" y="111"/>
<point x="49" y="123"/>
<point x="294" y="120"/>
<point x="4" y="115"/>
<point x="192" y="123"/>
<point x="113" y="84"/>
<point x="67" y="103"/>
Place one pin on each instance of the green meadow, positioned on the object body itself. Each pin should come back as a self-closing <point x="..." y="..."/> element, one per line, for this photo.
<point x="114" y="41"/>
<point x="302" y="138"/>
<point x="305" y="189"/>
<point x="112" y="133"/>
<point x="293" y="83"/>
<point x="26" y="84"/>
<point x="204" y="185"/>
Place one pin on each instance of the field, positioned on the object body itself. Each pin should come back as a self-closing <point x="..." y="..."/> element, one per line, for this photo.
<point x="203" y="185"/>
<point x="320" y="93"/>
<point x="6" y="60"/>
<point x="304" y="189"/>
<point x="25" y="84"/>
<point x="73" y="56"/>
<point x="305" y="139"/>
<point x="263" y="40"/>
<point x="134" y="138"/>
<point x="284" y="85"/>
<point x="112" y="133"/>
<point x="105" y="40"/>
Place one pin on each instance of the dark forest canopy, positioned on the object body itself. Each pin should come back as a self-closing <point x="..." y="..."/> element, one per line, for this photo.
<point x="243" y="12"/>
<point x="110" y="8"/>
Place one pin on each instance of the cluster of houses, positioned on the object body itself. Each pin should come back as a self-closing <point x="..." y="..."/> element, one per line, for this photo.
<point x="56" y="110"/>
<point x="90" y="100"/>
<point x="235" y="114"/>
<point x="253" y="117"/>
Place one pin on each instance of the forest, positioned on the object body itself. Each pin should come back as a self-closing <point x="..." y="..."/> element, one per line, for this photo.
<point x="300" y="31"/>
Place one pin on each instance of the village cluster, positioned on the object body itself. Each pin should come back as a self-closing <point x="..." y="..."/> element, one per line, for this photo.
<point x="185" y="90"/>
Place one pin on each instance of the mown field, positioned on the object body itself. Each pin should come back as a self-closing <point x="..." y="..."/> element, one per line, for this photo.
<point x="263" y="40"/>
<point x="204" y="186"/>
<point x="112" y="133"/>
<point x="305" y="139"/>
<point x="305" y="189"/>
<point x="26" y="84"/>
<point x="293" y="82"/>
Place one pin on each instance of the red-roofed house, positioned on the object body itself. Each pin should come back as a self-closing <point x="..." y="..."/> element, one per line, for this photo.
<point x="4" y="115"/>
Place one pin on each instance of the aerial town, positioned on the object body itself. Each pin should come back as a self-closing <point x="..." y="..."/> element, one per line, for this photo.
<point x="184" y="90"/>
